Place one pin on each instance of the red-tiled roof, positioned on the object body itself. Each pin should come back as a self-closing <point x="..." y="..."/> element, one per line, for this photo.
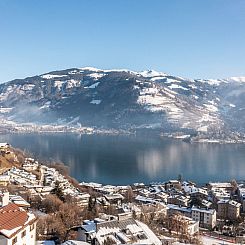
<point x="12" y="219"/>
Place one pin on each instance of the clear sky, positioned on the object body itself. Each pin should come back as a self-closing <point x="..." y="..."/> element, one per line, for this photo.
<point x="190" y="38"/>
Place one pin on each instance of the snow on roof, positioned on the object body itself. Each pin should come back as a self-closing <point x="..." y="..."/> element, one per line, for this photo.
<point x="18" y="200"/>
<point x="202" y="210"/>
<point x="230" y="202"/>
<point x="89" y="226"/>
<point x="73" y="242"/>
<point x="145" y="199"/>
<point x="178" y="208"/>
<point x="45" y="242"/>
<point x="92" y="184"/>
<point x="149" y="233"/>
<point x="220" y="184"/>
<point x="114" y="196"/>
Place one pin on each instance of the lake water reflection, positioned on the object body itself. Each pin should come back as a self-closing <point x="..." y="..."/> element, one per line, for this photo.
<point x="129" y="159"/>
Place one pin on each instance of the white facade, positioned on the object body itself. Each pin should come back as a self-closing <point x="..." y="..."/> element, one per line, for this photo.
<point x="17" y="226"/>
<point x="25" y="236"/>
<point x="206" y="217"/>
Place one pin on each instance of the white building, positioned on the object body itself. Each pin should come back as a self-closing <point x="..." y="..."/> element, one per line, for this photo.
<point x="206" y="217"/>
<point x="186" y="225"/>
<point x="4" y="180"/>
<point x="125" y="231"/>
<point x="17" y="226"/>
<point x="22" y="177"/>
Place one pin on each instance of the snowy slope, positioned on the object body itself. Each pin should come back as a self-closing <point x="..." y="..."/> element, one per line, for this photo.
<point x="127" y="99"/>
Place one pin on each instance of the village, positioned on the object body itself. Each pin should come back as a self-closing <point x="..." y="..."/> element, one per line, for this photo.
<point x="42" y="204"/>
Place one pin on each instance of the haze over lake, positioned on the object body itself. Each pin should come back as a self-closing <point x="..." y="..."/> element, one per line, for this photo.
<point x="129" y="159"/>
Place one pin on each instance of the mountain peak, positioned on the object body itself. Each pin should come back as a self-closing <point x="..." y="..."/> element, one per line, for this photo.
<point x="237" y="79"/>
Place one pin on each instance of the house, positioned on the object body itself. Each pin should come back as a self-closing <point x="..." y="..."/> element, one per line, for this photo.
<point x="205" y="217"/>
<point x="198" y="194"/>
<point x="183" y="224"/>
<point x="175" y="184"/>
<point x="19" y="201"/>
<point x="219" y="194"/>
<point x="6" y="198"/>
<point x="162" y="196"/>
<point x="82" y="199"/>
<point x="176" y="209"/>
<point x="228" y="209"/>
<point x="125" y="231"/>
<point x="4" y="146"/>
<point x="22" y="177"/>
<point x="130" y="207"/>
<point x="17" y="226"/>
<point x="114" y="199"/>
<point x="220" y="185"/>
<point x="241" y="193"/>
<point x="205" y="204"/>
<point x="4" y="180"/>
<point x="179" y="200"/>
<point x="145" y="200"/>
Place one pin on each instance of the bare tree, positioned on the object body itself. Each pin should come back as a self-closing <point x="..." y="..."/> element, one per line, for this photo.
<point x="51" y="203"/>
<point x="129" y="195"/>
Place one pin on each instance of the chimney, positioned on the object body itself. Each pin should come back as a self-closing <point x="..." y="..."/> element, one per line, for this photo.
<point x="4" y="198"/>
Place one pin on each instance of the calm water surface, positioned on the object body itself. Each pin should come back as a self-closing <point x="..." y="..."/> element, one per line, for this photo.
<point x="129" y="159"/>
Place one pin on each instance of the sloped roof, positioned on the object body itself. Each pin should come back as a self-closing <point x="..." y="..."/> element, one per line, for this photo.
<point x="13" y="219"/>
<point x="122" y="224"/>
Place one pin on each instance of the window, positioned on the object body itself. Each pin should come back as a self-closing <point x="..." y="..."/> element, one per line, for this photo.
<point x="23" y="234"/>
<point x="14" y="241"/>
<point x="32" y="227"/>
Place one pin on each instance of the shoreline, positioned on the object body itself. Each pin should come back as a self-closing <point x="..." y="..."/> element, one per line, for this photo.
<point x="112" y="132"/>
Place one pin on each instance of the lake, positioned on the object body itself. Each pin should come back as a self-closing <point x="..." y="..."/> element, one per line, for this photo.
<point x="128" y="159"/>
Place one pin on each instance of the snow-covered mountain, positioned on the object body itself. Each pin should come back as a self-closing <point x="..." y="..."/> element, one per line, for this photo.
<point x="127" y="99"/>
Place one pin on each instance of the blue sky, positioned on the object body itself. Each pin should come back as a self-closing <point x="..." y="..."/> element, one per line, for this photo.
<point x="190" y="38"/>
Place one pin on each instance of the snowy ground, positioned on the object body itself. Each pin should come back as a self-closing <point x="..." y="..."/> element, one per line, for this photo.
<point x="213" y="241"/>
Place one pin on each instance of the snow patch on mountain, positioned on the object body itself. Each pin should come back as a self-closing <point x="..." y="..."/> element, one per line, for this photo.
<point x="72" y="83"/>
<point x="28" y="87"/>
<point x="131" y="97"/>
<point x="97" y="76"/>
<point x="93" y="69"/>
<point x="93" y="85"/>
<point x="237" y="79"/>
<point x="51" y="76"/>
<point x="175" y="86"/>
<point x="58" y="84"/>
<point x="152" y="73"/>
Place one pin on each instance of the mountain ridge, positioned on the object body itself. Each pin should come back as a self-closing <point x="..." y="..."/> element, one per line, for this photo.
<point x="125" y="99"/>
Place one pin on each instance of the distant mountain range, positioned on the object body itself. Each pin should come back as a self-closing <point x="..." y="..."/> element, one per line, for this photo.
<point x="127" y="100"/>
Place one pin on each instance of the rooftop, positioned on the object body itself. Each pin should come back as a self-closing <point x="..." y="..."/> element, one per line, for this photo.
<point x="13" y="219"/>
